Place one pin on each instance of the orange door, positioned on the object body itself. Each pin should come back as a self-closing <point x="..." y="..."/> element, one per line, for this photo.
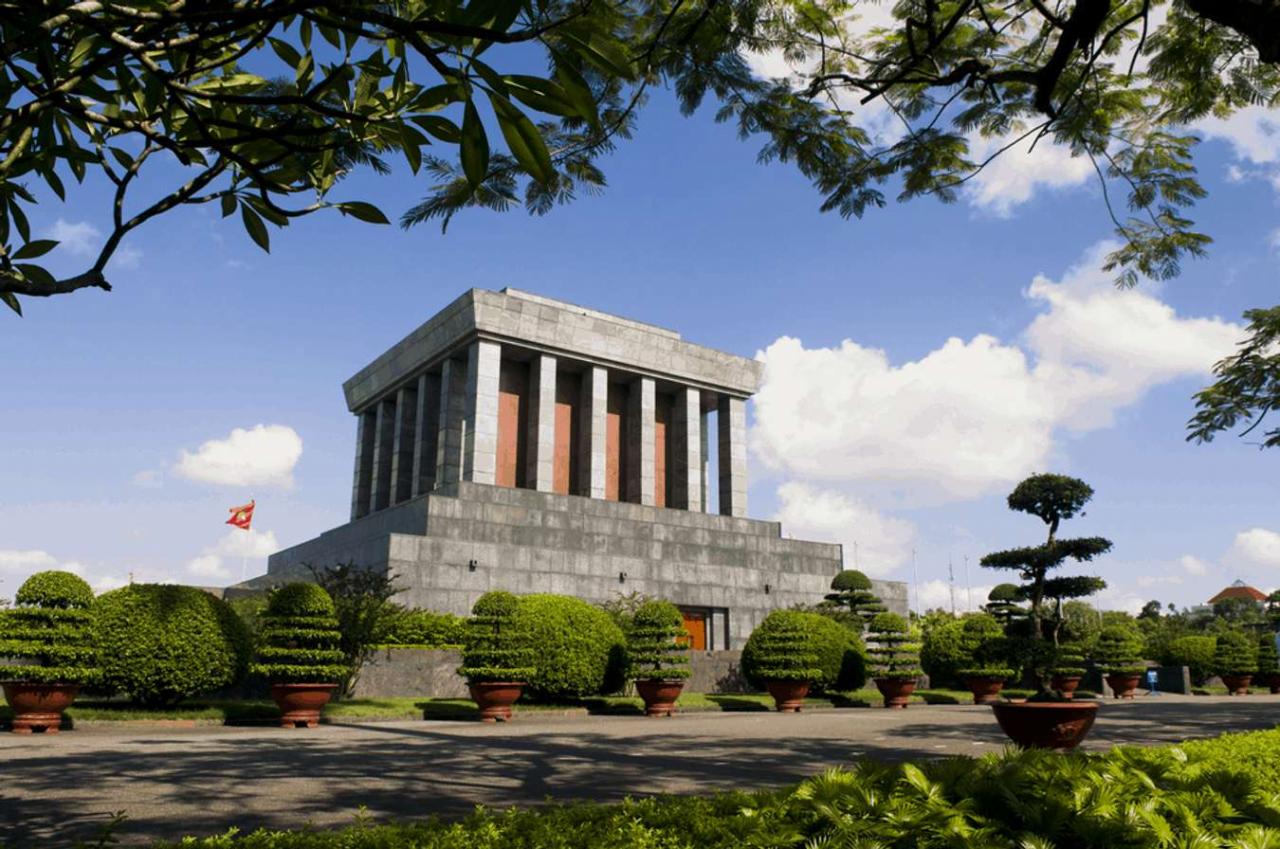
<point x="513" y="392"/>
<point x="662" y="417"/>
<point x="614" y="435"/>
<point x="564" y="460"/>
<point x="696" y="624"/>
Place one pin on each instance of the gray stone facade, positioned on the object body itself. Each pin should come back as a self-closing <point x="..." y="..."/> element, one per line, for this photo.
<point x="518" y="443"/>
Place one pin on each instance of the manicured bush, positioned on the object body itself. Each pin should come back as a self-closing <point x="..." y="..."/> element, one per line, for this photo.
<point x="1068" y="661"/>
<point x="161" y="643"/>
<point x="851" y="589"/>
<point x="893" y="652"/>
<point x="781" y="648"/>
<point x="1119" y="650"/>
<point x="1268" y="657"/>
<point x="657" y="643"/>
<point x="1003" y="602"/>
<point x="841" y="655"/>
<point x="1235" y="654"/>
<point x="494" y="647"/>
<point x="579" y="649"/>
<point x="1195" y="653"/>
<point x="48" y="637"/>
<point x="300" y="638"/>
<point x="984" y="647"/>
<point x="427" y="628"/>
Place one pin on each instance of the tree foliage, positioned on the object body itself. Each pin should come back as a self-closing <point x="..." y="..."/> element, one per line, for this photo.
<point x="1248" y="384"/>
<point x="363" y="607"/>
<point x="262" y="107"/>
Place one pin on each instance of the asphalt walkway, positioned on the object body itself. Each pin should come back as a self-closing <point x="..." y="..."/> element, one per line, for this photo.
<point x="205" y="780"/>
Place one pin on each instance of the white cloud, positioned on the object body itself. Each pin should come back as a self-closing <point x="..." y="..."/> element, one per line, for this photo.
<point x="239" y="547"/>
<point x="31" y="560"/>
<point x="1254" y="136"/>
<point x="262" y="455"/>
<point x="882" y="542"/>
<point x="971" y="417"/>
<point x="1117" y="598"/>
<point x="1016" y="174"/>
<point x="79" y="238"/>
<point x="127" y="257"/>
<point x="1256" y="547"/>
<point x="937" y="594"/>
<point x="1193" y="565"/>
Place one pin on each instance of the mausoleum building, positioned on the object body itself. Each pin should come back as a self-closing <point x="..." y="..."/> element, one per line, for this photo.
<point x="521" y="443"/>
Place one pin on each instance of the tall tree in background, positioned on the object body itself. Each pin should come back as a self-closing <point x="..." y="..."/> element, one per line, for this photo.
<point x="266" y="104"/>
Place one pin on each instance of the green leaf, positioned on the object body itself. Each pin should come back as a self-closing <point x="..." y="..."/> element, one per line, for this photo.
<point x="440" y="127"/>
<point x="579" y="92"/>
<point x="545" y="96"/>
<point x="12" y="301"/>
<point x="286" y="51"/>
<point x="39" y="247"/>
<point x="125" y="160"/>
<point x="363" y="211"/>
<point x="606" y="54"/>
<point x="228" y="205"/>
<point x="255" y="228"/>
<point x="475" y="146"/>
<point x="524" y="140"/>
<point x="36" y="274"/>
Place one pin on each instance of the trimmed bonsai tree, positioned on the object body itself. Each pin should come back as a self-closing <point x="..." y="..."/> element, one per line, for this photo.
<point x="895" y="658"/>
<point x="986" y="665"/>
<point x="1003" y="602"/>
<point x="1067" y="669"/>
<point x="781" y="656"/>
<point x="1268" y="662"/>
<point x="1235" y="660"/>
<point x="496" y="657"/>
<point x="658" y="655"/>
<point x="299" y="652"/>
<point x="48" y="639"/>
<point x="851" y="589"/>
<point x="1119" y="655"/>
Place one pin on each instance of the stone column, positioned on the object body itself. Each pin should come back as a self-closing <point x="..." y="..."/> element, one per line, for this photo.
<point x="641" y="408"/>
<point x="686" y="450"/>
<point x="732" y="422"/>
<point x="453" y="388"/>
<point x="704" y="438"/>
<point x="404" y="439"/>
<point x="541" y="442"/>
<point x="480" y="434"/>
<point x="427" y="429"/>
<point x="383" y="447"/>
<point x="593" y="408"/>
<point x="362" y="479"/>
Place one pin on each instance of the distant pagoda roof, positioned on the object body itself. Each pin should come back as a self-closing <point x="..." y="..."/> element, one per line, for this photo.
<point x="1239" y="589"/>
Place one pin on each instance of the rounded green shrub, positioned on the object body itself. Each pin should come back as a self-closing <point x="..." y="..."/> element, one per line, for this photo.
<point x="161" y="643"/>
<point x="782" y="648"/>
<point x="1195" y="653"/>
<point x="427" y="628"/>
<point x="48" y="637"/>
<point x="983" y="647"/>
<point x="1268" y="656"/>
<point x="942" y="652"/>
<point x="1068" y="661"/>
<point x="300" y="636"/>
<point x="1003" y="602"/>
<point x="1235" y="654"/>
<point x="580" y="650"/>
<point x="893" y="652"/>
<point x="494" y="647"/>
<point x="842" y="658"/>
<point x="851" y="589"/>
<point x="657" y="643"/>
<point x="1119" y="649"/>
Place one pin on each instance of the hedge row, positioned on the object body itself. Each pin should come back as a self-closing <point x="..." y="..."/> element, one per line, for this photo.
<point x="1212" y="793"/>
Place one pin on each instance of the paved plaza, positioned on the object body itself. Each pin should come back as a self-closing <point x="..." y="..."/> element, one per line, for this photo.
<point x="173" y="781"/>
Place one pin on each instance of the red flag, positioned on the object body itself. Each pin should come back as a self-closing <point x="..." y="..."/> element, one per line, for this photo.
<point x="242" y="516"/>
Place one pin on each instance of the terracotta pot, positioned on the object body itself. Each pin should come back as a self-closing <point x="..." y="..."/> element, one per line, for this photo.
<point x="1124" y="686"/>
<point x="1066" y="685"/>
<point x="788" y="695"/>
<point x="38" y="707"/>
<point x="1237" y="685"/>
<point x="896" y="691"/>
<point x="985" y="689"/>
<point x="1273" y="682"/>
<point x="495" y="698"/>
<point x="300" y="704"/>
<point x="659" y="695"/>
<point x="1046" y="725"/>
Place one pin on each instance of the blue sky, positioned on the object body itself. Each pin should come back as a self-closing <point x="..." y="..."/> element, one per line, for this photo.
<point x="895" y="439"/>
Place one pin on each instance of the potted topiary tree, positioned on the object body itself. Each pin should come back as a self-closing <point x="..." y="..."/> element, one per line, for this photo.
<point x="781" y="655"/>
<point x="1047" y="719"/>
<point x="49" y="636"/>
<point x="496" y="657"/>
<point x="1119" y="654"/>
<point x="1235" y="660"/>
<point x="1068" y="669"/>
<point x="1003" y="603"/>
<point x="1269" y="662"/>
<point x="852" y="589"/>
<point x="895" y="659"/>
<point x="299" y="654"/>
<point x="658" y="655"/>
<point x="982" y="643"/>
